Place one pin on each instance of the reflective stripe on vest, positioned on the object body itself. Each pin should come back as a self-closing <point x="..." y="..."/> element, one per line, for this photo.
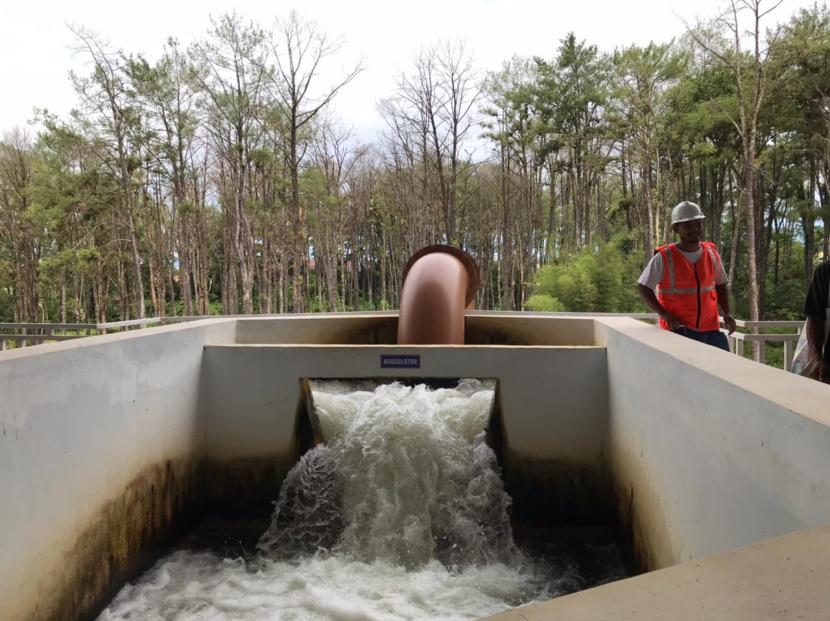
<point x="688" y="290"/>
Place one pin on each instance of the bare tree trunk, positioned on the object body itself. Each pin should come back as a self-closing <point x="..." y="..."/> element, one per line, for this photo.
<point x="650" y="219"/>
<point x="736" y="229"/>
<point x="749" y="199"/>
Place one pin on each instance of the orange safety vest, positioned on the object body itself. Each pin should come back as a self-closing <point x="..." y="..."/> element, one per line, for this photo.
<point x="688" y="289"/>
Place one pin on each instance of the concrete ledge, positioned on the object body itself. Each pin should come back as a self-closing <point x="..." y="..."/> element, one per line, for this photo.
<point x="222" y="331"/>
<point x="796" y="394"/>
<point x="783" y="578"/>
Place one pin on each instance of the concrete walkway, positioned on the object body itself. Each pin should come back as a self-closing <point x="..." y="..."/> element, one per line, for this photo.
<point x="782" y="578"/>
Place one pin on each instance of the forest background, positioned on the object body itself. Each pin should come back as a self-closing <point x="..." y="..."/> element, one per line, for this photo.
<point x="214" y="180"/>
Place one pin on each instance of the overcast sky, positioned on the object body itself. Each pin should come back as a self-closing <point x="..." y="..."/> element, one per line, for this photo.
<point x="35" y="42"/>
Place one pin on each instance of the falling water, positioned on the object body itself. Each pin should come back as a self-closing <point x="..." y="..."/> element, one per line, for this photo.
<point x="399" y="514"/>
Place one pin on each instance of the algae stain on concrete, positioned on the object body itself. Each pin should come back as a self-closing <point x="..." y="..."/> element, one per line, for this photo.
<point x="641" y="515"/>
<point x="124" y="538"/>
<point x="155" y="510"/>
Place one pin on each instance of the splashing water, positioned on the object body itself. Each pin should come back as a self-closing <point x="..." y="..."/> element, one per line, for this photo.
<point x="401" y="514"/>
<point x="415" y="480"/>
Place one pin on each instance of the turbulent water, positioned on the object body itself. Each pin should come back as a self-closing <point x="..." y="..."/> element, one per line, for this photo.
<point x="400" y="514"/>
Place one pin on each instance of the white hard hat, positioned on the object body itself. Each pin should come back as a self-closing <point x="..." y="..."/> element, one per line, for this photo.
<point x="685" y="211"/>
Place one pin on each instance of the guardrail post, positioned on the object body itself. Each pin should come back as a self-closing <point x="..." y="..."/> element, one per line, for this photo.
<point x="788" y="355"/>
<point x="759" y="349"/>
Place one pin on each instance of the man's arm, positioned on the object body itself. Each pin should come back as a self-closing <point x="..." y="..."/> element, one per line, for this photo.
<point x="654" y="304"/>
<point x="723" y="293"/>
<point x="723" y="302"/>
<point x="815" y="311"/>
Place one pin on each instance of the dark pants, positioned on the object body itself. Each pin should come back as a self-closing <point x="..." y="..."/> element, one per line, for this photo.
<point x="716" y="338"/>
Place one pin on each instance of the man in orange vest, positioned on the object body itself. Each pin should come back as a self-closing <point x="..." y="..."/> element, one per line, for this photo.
<point x="684" y="283"/>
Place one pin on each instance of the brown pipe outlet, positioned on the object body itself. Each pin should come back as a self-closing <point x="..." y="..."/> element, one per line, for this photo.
<point x="439" y="283"/>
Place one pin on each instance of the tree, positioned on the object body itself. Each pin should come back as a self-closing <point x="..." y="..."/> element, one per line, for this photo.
<point x="581" y="79"/>
<point x="167" y="100"/>
<point x="106" y="95"/>
<point x="299" y="48"/>
<point x="643" y="75"/>
<point x="801" y="104"/>
<point x="750" y="76"/>
<point x="19" y="238"/>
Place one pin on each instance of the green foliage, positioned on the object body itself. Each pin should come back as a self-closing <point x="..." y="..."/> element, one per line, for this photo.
<point x="544" y="303"/>
<point x="601" y="281"/>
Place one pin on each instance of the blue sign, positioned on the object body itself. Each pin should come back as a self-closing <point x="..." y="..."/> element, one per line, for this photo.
<point x="399" y="361"/>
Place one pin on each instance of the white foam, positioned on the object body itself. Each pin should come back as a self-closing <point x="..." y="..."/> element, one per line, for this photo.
<point x="190" y="586"/>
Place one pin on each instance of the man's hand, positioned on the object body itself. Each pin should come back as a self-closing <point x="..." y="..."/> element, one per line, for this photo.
<point x="672" y="320"/>
<point x="815" y="342"/>
<point x="815" y="368"/>
<point x="822" y="371"/>
<point x="729" y="323"/>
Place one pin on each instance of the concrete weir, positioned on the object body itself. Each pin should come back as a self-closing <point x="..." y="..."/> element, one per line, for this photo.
<point x="111" y="446"/>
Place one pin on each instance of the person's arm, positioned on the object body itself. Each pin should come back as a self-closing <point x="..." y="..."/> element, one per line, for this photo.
<point x="654" y="304"/>
<point x="723" y="293"/>
<point x="723" y="302"/>
<point x="815" y="311"/>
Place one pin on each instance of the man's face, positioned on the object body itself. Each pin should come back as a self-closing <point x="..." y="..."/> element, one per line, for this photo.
<point x="690" y="231"/>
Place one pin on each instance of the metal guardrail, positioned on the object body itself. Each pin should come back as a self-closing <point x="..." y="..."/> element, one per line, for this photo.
<point x="759" y="340"/>
<point x="756" y="338"/>
<point x="35" y="333"/>
<point x="25" y="334"/>
<point x="130" y="323"/>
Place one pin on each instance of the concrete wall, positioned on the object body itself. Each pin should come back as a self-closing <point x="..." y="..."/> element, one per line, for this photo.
<point x="100" y="443"/>
<point x="316" y="328"/>
<point x="482" y="328"/>
<point x="553" y="404"/>
<point x="710" y="451"/>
